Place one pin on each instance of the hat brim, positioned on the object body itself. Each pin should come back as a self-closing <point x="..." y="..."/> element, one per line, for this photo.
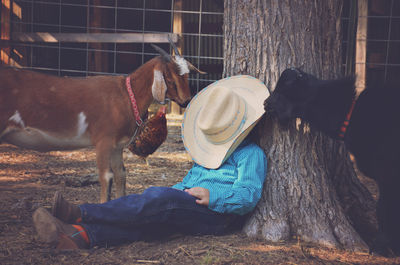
<point x="210" y="155"/>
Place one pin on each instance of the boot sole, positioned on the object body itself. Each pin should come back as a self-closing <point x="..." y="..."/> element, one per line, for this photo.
<point x="46" y="226"/>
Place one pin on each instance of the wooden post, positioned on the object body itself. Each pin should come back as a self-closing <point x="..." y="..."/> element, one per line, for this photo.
<point x="177" y="28"/>
<point x="98" y="61"/>
<point x="7" y="49"/>
<point x="361" y="45"/>
<point x="5" y="30"/>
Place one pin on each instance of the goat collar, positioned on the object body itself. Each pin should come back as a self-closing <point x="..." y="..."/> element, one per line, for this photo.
<point x="135" y="109"/>
<point x="346" y="122"/>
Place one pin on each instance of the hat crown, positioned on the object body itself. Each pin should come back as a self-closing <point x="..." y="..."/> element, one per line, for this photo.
<point x="222" y="115"/>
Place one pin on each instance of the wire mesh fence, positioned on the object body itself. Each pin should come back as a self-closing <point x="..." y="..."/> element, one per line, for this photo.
<point x="198" y="22"/>
<point x="383" y="42"/>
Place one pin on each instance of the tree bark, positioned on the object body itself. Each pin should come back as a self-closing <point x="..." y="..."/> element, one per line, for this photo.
<point x="311" y="190"/>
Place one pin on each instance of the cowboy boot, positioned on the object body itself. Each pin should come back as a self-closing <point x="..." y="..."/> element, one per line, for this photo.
<point x="53" y="231"/>
<point x="65" y="211"/>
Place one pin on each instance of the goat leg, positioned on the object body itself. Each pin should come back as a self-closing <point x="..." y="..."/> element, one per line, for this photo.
<point x="117" y="166"/>
<point x="103" y="157"/>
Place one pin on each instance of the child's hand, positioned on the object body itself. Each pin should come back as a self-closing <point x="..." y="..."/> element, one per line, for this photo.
<point x="202" y="195"/>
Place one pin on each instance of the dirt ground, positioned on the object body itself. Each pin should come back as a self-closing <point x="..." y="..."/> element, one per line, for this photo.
<point x="29" y="179"/>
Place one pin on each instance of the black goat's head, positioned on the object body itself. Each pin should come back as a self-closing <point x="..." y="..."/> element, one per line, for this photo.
<point x="293" y="91"/>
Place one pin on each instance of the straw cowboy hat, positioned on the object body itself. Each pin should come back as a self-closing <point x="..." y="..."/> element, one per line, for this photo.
<point x="220" y="116"/>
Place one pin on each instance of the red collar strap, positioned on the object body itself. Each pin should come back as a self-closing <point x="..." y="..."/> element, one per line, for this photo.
<point x="135" y="109"/>
<point x="346" y="122"/>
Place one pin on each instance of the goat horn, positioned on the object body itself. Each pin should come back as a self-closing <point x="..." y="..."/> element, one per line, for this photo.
<point x="194" y="68"/>
<point x="164" y="54"/>
<point x="173" y="46"/>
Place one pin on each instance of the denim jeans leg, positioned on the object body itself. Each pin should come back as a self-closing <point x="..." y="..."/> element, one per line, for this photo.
<point x="105" y="235"/>
<point x="133" y="217"/>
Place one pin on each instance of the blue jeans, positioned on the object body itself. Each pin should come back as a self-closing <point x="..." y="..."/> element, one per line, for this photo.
<point x="157" y="212"/>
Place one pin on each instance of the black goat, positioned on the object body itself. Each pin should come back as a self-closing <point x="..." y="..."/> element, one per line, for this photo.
<point x="372" y="133"/>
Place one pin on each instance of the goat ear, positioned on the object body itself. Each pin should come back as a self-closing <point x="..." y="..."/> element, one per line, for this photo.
<point x="159" y="88"/>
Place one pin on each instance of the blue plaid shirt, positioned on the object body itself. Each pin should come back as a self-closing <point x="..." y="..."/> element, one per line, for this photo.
<point x="236" y="186"/>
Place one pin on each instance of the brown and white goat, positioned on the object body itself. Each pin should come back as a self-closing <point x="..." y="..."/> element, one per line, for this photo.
<point x="44" y="112"/>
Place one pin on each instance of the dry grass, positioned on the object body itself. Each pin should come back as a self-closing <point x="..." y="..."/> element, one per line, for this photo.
<point x="29" y="179"/>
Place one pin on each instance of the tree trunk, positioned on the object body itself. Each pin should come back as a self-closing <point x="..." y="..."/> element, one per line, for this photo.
<point x="311" y="190"/>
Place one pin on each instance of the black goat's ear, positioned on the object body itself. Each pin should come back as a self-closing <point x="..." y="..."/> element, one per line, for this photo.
<point x="298" y="72"/>
<point x="163" y="53"/>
